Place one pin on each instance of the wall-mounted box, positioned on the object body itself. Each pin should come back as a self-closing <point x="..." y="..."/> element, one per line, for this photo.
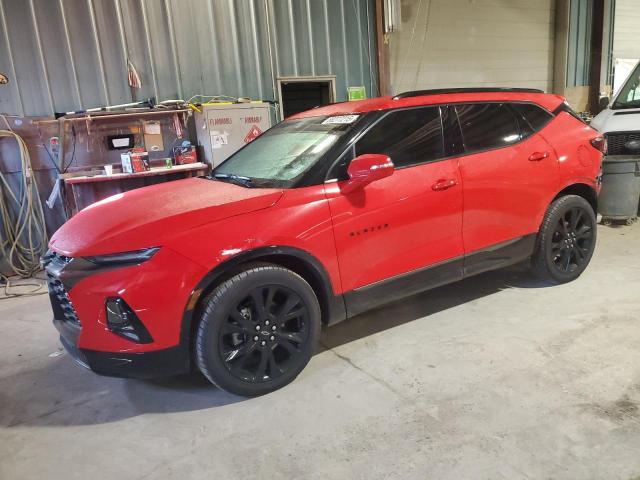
<point x="224" y="128"/>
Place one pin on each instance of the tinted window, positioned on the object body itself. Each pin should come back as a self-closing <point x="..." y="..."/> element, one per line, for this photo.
<point x="564" y="107"/>
<point x="532" y="118"/>
<point x="487" y="125"/>
<point x="453" y="144"/>
<point x="408" y="137"/>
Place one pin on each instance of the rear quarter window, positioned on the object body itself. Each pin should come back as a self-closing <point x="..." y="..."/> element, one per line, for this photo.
<point x="532" y="117"/>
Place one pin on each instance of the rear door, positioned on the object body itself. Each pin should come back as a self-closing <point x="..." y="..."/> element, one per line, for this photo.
<point x="509" y="173"/>
<point x="393" y="228"/>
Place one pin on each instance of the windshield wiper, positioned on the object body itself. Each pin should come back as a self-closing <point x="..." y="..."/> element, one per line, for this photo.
<point x="237" y="179"/>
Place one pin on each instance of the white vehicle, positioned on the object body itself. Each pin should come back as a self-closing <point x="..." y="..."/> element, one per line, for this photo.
<point x="620" y="120"/>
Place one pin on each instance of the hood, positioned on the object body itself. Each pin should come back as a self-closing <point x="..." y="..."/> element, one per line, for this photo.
<point x="621" y="120"/>
<point x="147" y="217"/>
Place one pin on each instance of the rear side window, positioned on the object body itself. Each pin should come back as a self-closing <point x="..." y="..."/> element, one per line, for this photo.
<point x="408" y="137"/>
<point x="487" y="125"/>
<point x="532" y="117"/>
<point x="564" y="107"/>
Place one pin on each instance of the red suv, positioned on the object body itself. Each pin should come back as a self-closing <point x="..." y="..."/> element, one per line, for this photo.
<point x="330" y="213"/>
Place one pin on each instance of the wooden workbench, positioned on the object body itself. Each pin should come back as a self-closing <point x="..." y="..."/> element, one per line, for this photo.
<point x="82" y="191"/>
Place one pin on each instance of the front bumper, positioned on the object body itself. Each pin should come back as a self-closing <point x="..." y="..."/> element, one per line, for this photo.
<point x="78" y="295"/>
<point x="156" y="363"/>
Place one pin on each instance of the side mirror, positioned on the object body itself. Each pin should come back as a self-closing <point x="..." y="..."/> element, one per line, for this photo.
<point x="603" y="103"/>
<point x="367" y="168"/>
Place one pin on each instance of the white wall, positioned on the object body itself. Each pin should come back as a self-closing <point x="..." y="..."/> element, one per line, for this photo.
<point x="465" y="43"/>
<point x="626" y="39"/>
<point x="626" y="33"/>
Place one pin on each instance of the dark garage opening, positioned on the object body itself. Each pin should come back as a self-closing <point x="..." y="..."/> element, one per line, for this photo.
<point x="298" y="96"/>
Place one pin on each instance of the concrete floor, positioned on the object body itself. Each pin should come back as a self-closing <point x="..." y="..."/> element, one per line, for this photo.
<point x="500" y="376"/>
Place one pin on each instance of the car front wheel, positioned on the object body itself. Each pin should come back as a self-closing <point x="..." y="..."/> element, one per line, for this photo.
<point x="257" y="330"/>
<point x="566" y="240"/>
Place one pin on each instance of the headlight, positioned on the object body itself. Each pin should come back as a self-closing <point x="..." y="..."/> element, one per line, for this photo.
<point x="124" y="258"/>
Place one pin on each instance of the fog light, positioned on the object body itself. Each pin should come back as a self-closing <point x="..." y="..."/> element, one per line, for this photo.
<point x="122" y="321"/>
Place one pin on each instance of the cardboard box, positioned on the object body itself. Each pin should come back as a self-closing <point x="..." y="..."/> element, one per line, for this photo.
<point x="135" y="162"/>
<point x="125" y="160"/>
<point x="184" y="155"/>
<point x="153" y="141"/>
<point x="140" y="162"/>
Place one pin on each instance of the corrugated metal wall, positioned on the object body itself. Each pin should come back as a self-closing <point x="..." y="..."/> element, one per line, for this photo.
<point x="63" y="55"/>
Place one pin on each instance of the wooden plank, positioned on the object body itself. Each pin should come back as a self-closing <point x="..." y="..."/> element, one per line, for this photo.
<point x="192" y="167"/>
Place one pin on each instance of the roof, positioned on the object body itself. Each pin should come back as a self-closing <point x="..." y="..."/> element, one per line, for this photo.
<point x="436" y="97"/>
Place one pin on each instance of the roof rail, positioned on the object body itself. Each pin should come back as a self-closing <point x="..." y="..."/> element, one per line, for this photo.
<point x="438" y="91"/>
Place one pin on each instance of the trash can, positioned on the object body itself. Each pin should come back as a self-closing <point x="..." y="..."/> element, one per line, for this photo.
<point x="620" y="192"/>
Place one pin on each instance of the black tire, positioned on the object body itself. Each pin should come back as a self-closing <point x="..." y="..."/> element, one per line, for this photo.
<point x="265" y="302"/>
<point x="566" y="240"/>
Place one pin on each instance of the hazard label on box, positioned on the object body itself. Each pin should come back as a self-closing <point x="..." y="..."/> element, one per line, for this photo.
<point x="254" y="132"/>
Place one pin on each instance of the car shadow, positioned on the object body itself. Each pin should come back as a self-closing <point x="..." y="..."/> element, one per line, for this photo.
<point x="428" y="303"/>
<point x="59" y="393"/>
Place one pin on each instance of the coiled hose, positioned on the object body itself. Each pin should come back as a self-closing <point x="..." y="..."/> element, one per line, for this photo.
<point x="23" y="238"/>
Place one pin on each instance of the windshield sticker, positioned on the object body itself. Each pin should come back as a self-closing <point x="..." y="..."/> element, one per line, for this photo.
<point x="341" y="120"/>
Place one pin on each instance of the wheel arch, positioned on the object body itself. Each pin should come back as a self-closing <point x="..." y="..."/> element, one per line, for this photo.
<point x="299" y="261"/>
<point x="582" y="190"/>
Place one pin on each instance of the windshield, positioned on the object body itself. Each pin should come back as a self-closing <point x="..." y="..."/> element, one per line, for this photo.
<point x="629" y="96"/>
<point x="282" y="154"/>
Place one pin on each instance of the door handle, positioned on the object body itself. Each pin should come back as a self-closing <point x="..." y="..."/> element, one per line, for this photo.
<point x="537" y="156"/>
<point x="443" y="184"/>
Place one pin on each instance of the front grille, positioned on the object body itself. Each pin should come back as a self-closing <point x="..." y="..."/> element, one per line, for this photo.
<point x="55" y="257"/>
<point x="60" y="302"/>
<point x="617" y="143"/>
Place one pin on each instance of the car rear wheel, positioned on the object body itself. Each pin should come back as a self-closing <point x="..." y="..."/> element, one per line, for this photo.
<point x="257" y="330"/>
<point x="566" y="240"/>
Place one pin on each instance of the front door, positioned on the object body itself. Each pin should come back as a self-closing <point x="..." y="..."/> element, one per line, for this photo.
<point x="390" y="232"/>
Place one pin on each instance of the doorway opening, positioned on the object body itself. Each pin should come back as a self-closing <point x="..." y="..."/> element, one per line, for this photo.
<point x="298" y="94"/>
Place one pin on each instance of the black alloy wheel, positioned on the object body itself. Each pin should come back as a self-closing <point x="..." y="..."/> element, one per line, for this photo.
<point x="566" y="240"/>
<point x="257" y="330"/>
<point x="572" y="240"/>
<point x="263" y="333"/>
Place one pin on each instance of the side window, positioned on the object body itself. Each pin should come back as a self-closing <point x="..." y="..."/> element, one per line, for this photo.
<point x="453" y="144"/>
<point x="487" y="125"/>
<point x="408" y="137"/>
<point x="532" y="118"/>
<point x="339" y="170"/>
